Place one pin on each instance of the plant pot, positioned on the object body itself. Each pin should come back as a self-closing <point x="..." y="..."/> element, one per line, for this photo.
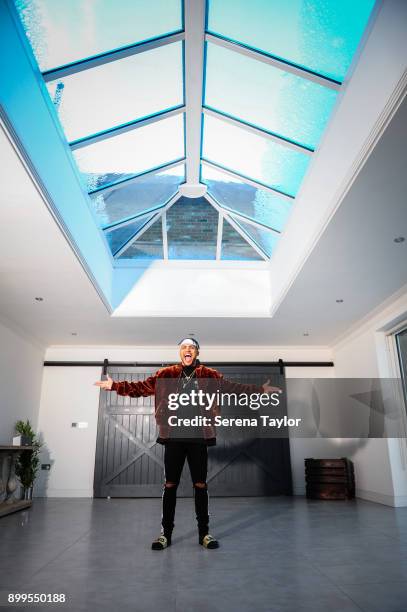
<point x="27" y="493"/>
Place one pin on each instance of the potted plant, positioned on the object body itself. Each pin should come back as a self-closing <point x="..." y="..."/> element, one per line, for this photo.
<point x="28" y="461"/>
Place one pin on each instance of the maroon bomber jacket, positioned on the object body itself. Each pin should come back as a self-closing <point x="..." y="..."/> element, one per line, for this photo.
<point x="144" y="388"/>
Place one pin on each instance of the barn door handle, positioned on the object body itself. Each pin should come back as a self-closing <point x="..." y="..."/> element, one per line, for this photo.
<point x="105" y="366"/>
<point x="281" y="366"/>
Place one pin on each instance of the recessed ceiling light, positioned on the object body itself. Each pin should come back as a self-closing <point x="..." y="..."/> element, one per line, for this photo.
<point x="339" y="301"/>
<point x="39" y="299"/>
<point x="399" y="239"/>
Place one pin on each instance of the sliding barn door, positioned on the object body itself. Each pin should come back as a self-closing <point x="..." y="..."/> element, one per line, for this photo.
<point x="129" y="462"/>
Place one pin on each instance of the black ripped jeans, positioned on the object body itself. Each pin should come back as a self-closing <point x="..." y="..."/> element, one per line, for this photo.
<point x="196" y="454"/>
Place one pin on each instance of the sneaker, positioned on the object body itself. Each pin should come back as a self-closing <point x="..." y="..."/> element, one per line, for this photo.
<point x="208" y="541"/>
<point x="161" y="543"/>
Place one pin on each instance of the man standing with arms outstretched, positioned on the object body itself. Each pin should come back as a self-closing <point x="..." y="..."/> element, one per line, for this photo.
<point x="193" y="448"/>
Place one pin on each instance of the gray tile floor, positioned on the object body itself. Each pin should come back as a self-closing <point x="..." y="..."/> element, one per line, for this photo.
<point x="277" y="554"/>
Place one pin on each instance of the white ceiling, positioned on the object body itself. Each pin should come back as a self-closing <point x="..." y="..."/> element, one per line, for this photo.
<point x="355" y="259"/>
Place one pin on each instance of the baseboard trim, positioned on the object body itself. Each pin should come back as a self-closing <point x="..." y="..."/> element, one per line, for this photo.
<point x="65" y="493"/>
<point x="396" y="501"/>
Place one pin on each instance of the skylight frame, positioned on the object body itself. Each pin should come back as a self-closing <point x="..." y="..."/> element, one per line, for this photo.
<point x="126" y="127"/>
<point x="247" y="179"/>
<point x="254" y="129"/>
<point x="272" y="60"/>
<point x="160" y="210"/>
<point x="133" y="179"/>
<point x="111" y="56"/>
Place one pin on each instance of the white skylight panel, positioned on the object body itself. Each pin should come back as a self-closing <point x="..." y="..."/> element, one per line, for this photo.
<point x="131" y="153"/>
<point x="119" y="92"/>
<point x="66" y="31"/>
<point x="253" y="156"/>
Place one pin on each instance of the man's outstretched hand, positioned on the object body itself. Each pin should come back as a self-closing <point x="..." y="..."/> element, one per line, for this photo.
<point x="105" y="384"/>
<point x="267" y="388"/>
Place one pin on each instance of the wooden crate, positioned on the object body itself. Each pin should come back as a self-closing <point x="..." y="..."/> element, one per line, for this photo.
<point x="329" y="478"/>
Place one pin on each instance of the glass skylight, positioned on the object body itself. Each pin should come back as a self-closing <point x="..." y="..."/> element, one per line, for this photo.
<point x="320" y="35"/>
<point x="120" y="236"/>
<point x="131" y="153"/>
<point x="271" y="74"/>
<point x="265" y="239"/>
<point x="65" y="31"/>
<point x="234" y="246"/>
<point x="253" y="156"/>
<point x="287" y="105"/>
<point x="100" y="98"/>
<point x="148" y="246"/>
<point x="146" y="193"/>
<point x="233" y="194"/>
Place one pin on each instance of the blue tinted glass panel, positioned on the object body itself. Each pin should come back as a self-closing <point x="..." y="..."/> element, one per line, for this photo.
<point x="117" y="238"/>
<point x="321" y="35"/>
<point x="148" y="246"/>
<point x="131" y="153"/>
<point x="64" y="31"/>
<point x="296" y="109"/>
<point x="235" y="195"/>
<point x="119" y="92"/>
<point x="265" y="239"/>
<point x="192" y="226"/>
<point x="234" y="246"/>
<point x="253" y="156"/>
<point x="148" y="192"/>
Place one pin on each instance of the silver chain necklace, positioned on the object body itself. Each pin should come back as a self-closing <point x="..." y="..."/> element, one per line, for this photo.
<point x="187" y="378"/>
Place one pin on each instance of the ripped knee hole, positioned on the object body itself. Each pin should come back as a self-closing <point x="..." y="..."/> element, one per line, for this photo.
<point x="200" y="485"/>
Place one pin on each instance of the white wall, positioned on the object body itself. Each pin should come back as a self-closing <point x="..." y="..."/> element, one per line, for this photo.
<point x="380" y="464"/>
<point x="301" y="448"/>
<point x="68" y="395"/>
<point x="21" y="365"/>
